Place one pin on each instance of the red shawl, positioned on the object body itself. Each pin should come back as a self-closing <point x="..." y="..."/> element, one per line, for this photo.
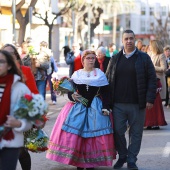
<point x="77" y="63"/>
<point x="6" y="102"/>
<point x="101" y="64"/>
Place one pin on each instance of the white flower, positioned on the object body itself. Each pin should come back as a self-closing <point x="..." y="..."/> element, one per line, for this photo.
<point x="41" y="111"/>
<point x="33" y="112"/>
<point x="41" y="105"/>
<point x="38" y="97"/>
<point x="35" y="105"/>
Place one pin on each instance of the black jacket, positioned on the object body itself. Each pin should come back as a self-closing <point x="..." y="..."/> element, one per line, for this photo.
<point x="146" y="77"/>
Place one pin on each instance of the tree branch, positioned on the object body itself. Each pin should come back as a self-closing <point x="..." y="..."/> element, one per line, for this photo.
<point x="19" y="5"/>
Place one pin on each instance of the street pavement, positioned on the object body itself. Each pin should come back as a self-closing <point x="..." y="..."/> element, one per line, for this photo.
<point x="154" y="153"/>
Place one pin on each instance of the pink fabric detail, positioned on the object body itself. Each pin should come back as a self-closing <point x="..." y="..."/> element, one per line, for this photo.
<point x="70" y="149"/>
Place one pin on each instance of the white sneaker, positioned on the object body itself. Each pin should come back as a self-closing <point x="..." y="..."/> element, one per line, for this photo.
<point x="54" y="102"/>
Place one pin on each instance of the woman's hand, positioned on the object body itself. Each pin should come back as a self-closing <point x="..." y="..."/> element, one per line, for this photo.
<point x="105" y="112"/>
<point x="76" y="96"/>
<point x="12" y="122"/>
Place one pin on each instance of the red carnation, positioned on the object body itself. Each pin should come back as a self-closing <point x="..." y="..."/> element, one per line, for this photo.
<point x="28" y="97"/>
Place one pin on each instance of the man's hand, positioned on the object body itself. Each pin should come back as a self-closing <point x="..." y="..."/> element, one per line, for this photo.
<point x="149" y="105"/>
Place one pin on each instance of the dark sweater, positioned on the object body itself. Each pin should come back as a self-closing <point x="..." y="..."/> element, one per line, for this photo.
<point x="145" y="76"/>
<point x="126" y="83"/>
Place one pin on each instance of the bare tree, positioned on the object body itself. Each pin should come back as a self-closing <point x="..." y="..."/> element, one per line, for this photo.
<point x="23" y="20"/>
<point x="96" y="13"/>
<point x="161" y="31"/>
<point x="49" y="23"/>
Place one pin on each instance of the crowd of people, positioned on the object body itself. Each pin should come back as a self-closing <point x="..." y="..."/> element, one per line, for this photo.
<point x="124" y="91"/>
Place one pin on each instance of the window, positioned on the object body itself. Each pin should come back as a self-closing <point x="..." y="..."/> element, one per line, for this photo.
<point x="163" y="10"/>
<point x="151" y="11"/>
<point x="107" y="26"/>
<point x="143" y="26"/>
<point x="143" y="11"/>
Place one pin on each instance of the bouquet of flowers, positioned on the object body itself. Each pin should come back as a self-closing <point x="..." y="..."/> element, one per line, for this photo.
<point x="65" y="85"/>
<point x="32" y="50"/>
<point x="36" y="140"/>
<point x="33" y="108"/>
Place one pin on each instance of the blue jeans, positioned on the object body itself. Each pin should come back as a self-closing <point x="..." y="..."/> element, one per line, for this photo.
<point x="128" y="115"/>
<point x="9" y="158"/>
<point x="41" y="86"/>
<point x="53" y="95"/>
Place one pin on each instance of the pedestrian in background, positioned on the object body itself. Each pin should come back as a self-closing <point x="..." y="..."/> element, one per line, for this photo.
<point x="155" y="117"/>
<point x="49" y="79"/>
<point x="111" y="50"/>
<point x="167" y="77"/>
<point x="52" y="69"/>
<point x="42" y="68"/>
<point x="102" y="61"/>
<point x="132" y="82"/>
<point x="139" y="44"/>
<point x="159" y="61"/>
<point x="73" y="59"/>
<point x="12" y="89"/>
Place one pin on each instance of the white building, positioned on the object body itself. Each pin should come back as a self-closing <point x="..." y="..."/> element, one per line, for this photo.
<point x="137" y="15"/>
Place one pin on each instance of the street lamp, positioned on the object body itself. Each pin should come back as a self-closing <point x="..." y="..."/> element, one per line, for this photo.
<point x="89" y="2"/>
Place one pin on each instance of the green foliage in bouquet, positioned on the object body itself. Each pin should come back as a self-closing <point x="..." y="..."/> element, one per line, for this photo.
<point x="36" y="140"/>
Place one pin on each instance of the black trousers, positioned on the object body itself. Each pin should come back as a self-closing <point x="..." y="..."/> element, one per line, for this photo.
<point x="9" y="158"/>
<point x="167" y="94"/>
<point x="25" y="159"/>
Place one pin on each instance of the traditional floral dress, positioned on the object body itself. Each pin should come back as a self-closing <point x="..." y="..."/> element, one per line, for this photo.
<point x="82" y="136"/>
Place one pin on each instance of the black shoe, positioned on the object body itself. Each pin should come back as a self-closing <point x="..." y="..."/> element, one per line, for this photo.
<point x="132" y="166"/>
<point x="78" y="168"/>
<point x="149" y="127"/>
<point x="155" y="127"/>
<point x="90" y="168"/>
<point x="119" y="163"/>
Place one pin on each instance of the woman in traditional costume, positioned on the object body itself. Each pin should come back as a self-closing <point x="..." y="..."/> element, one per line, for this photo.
<point x="83" y="132"/>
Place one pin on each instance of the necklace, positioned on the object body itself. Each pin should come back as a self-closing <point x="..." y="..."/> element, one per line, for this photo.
<point x="87" y="72"/>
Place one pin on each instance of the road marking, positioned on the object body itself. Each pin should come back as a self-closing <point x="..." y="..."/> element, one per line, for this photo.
<point x="166" y="151"/>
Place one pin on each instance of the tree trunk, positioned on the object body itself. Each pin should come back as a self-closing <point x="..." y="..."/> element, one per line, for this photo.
<point x="50" y="35"/>
<point x="22" y="31"/>
<point x="76" y="30"/>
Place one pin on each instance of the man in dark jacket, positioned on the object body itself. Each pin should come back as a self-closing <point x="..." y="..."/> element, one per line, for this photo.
<point x="132" y="81"/>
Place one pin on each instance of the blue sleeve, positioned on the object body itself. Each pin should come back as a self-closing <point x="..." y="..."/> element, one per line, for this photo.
<point x="70" y="58"/>
<point x="54" y="64"/>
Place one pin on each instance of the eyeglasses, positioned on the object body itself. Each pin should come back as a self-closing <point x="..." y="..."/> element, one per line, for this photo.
<point x="2" y="62"/>
<point x="90" y="58"/>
